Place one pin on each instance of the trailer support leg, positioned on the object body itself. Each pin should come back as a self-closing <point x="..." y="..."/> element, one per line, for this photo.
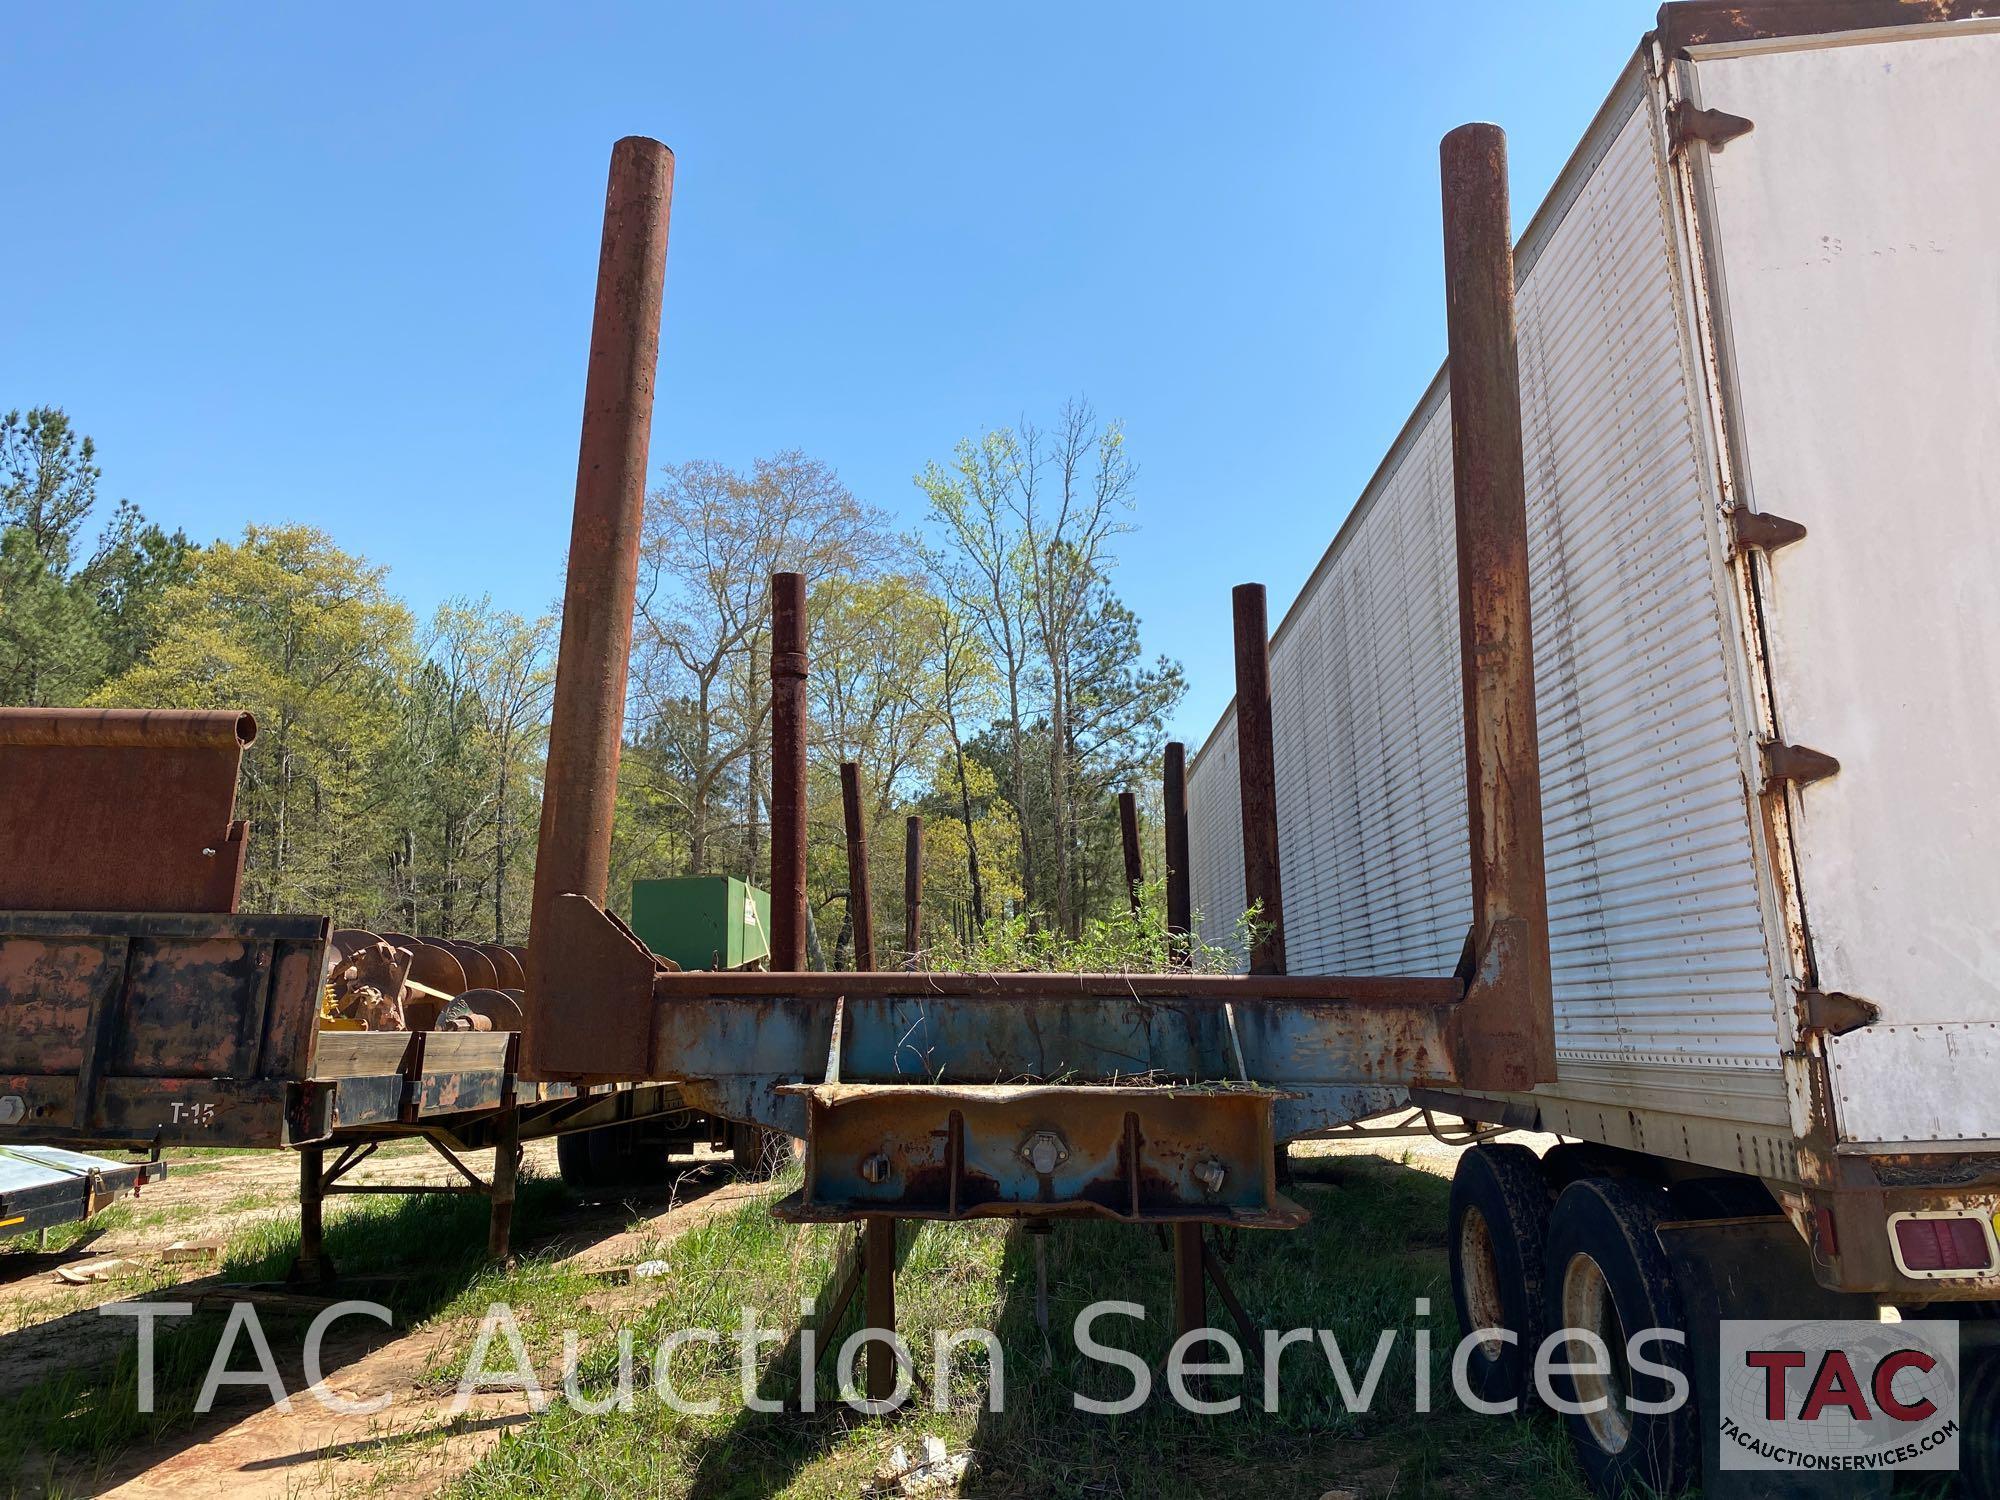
<point x="879" y="1266"/>
<point x="311" y="1265"/>
<point x="1190" y="1279"/>
<point x="506" y="1171"/>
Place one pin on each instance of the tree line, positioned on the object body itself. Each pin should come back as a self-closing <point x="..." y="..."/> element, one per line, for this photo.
<point x="981" y="669"/>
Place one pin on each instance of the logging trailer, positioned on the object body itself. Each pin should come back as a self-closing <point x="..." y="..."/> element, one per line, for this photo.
<point x="138" y="1008"/>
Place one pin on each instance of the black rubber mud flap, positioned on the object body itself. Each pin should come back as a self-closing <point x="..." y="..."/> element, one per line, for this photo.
<point x="1752" y="1268"/>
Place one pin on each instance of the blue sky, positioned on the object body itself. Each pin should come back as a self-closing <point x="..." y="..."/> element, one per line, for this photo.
<point x="334" y="263"/>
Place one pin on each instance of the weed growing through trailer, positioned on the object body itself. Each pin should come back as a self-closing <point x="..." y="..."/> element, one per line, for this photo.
<point x="1129" y="941"/>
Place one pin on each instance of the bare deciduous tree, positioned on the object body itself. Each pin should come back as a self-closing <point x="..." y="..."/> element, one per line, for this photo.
<point x="713" y="538"/>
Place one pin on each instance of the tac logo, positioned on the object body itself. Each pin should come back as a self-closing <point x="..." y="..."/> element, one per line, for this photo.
<point x="1839" y="1395"/>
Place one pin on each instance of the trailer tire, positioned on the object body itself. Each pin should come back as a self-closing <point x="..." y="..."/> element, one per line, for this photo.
<point x="1607" y="1273"/>
<point x="573" y="1159"/>
<point x="1499" y="1225"/>
<point x="1979" y="1423"/>
<point x="615" y="1158"/>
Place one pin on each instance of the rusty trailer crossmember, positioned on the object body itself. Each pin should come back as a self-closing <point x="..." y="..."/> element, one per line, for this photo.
<point x="1133" y="1096"/>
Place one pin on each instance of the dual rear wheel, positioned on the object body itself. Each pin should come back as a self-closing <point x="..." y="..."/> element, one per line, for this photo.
<point x="1584" y="1262"/>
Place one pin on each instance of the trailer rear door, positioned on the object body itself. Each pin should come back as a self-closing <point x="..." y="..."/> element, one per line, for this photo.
<point x="1856" y="247"/>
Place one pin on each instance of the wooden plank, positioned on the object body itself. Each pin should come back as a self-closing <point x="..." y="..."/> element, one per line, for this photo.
<point x="360" y="1054"/>
<point x="466" y="1051"/>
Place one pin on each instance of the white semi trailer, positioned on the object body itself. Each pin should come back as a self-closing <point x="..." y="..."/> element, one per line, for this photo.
<point x="1759" y="349"/>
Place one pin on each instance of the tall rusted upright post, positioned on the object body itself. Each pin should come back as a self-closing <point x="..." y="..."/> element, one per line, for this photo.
<point x="1508" y="1019"/>
<point x="587" y="720"/>
<point x="913" y="889"/>
<point x="1180" y="893"/>
<point x="788" y="772"/>
<point x="860" y="905"/>
<point x="1257" y="773"/>
<point x="1128" y="835"/>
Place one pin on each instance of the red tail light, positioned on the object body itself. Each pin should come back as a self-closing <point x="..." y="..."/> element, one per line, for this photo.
<point x="1943" y="1244"/>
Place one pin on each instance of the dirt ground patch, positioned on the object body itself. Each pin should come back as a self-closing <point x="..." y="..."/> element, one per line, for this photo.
<point x="246" y="1448"/>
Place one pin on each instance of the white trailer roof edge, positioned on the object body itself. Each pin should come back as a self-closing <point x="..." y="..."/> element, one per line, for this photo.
<point x="1561" y="196"/>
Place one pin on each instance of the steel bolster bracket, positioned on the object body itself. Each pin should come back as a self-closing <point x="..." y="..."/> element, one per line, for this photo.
<point x="1201" y="1153"/>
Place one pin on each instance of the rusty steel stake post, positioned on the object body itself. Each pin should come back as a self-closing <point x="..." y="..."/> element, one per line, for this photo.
<point x="1128" y="836"/>
<point x="1508" y="1025"/>
<point x="1258" y="778"/>
<point x="1180" y="893"/>
<point x="913" y="889"/>
<point x="587" y="721"/>
<point x="788" y="772"/>
<point x="860" y="905"/>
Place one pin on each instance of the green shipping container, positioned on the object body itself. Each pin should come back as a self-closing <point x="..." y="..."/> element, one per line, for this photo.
<point x="703" y="921"/>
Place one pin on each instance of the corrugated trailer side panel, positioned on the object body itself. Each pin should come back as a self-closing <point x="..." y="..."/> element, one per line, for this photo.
<point x="1660" y="923"/>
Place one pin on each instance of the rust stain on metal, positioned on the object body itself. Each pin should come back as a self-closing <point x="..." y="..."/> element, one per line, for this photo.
<point x="1714" y="128"/>
<point x="120" y="809"/>
<point x="913" y="889"/>
<point x="788" y="771"/>
<point x="1128" y="838"/>
<point x="119" y="1027"/>
<point x="1763" y="531"/>
<point x="587" y="720"/>
<point x="1132" y="1154"/>
<point x="1798" y="765"/>
<point x="505" y="965"/>
<point x="860" y="897"/>
<point x="1695" y="23"/>
<point x="1258" y="778"/>
<point x="51" y="988"/>
<point x="1508" y="1022"/>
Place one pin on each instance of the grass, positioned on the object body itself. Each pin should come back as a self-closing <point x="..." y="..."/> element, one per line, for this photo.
<point x="431" y="1249"/>
<point x="1373" y="1250"/>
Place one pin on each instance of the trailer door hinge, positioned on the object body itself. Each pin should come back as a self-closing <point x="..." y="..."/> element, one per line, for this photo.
<point x="1763" y="530"/>
<point x="1835" y="1013"/>
<point x="1798" y="764"/>
<point x="1714" y="128"/>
